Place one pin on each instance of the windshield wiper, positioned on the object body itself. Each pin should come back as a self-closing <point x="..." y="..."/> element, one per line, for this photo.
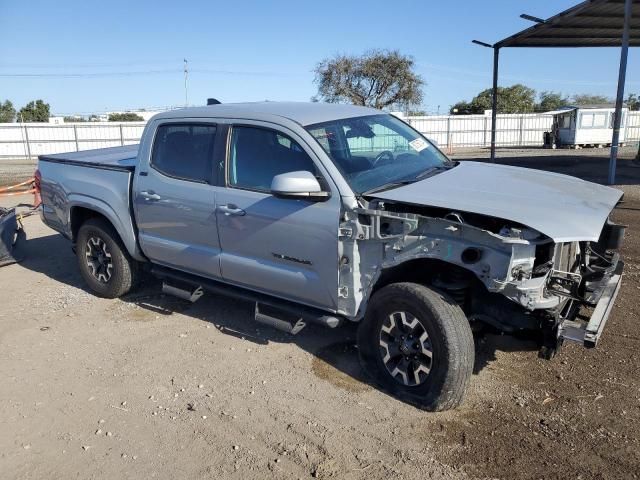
<point x="399" y="183"/>
<point x="387" y="186"/>
<point x="433" y="170"/>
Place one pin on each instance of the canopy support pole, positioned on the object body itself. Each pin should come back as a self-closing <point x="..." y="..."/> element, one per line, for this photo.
<point x="622" y="74"/>
<point x="494" y="103"/>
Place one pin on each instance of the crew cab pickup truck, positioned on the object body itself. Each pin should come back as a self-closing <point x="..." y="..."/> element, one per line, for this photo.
<point x="326" y="213"/>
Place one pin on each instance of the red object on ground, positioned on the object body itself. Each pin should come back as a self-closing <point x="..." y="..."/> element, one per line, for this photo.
<point x="33" y="182"/>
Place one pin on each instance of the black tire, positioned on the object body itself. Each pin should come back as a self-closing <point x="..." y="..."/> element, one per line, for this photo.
<point x="449" y="339"/>
<point x="121" y="276"/>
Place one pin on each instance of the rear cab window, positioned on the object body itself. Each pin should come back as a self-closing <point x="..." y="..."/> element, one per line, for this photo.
<point x="185" y="151"/>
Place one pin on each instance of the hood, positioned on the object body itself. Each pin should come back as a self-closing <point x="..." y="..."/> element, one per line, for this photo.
<point x="564" y="208"/>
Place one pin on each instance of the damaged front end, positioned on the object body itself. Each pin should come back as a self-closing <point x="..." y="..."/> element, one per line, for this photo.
<point x="501" y="273"/>
<point x="591" y="288"/>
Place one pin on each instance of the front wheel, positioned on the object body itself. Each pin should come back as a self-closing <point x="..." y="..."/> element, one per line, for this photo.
<point x="104" y="262"/>
<point x="417" y="344"/>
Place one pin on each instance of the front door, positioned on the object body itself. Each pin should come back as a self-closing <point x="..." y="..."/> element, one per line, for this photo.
<point x="285" y="247"/>
<point x="175" y="199"/>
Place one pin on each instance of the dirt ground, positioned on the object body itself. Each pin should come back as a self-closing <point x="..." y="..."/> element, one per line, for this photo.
<point x="152" y="387"/>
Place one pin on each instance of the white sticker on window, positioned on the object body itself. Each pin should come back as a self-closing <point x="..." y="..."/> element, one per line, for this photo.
<point x="418" y="144"/>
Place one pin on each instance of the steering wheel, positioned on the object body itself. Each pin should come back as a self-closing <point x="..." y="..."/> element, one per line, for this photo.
<point x="386" y="155"/>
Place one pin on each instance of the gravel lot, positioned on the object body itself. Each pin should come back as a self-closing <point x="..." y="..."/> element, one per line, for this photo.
<point x="152" y="387"/>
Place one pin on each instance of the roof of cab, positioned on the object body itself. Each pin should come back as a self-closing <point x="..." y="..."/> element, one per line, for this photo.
<point x="304" y="113"/>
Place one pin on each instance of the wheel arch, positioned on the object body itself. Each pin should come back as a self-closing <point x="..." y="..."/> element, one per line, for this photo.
<point x="79" y="215"/>
<point x="81" y="210"/>
<point x="419" y="270"/>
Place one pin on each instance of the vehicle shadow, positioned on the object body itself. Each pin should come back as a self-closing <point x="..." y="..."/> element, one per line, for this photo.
<point x="334" y="351"/>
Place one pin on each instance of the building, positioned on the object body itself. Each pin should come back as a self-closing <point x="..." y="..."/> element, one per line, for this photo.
<point x="145" y="114"/>
<point x="585" y="125"/>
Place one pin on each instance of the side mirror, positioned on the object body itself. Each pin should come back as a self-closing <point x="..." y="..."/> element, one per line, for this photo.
<point x="301" y="185"/>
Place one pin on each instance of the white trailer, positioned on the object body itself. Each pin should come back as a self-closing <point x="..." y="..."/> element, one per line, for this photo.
<point x="582" y="126"/>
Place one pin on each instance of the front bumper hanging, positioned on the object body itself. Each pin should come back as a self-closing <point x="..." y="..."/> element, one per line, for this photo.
<point x="588" y="333"/>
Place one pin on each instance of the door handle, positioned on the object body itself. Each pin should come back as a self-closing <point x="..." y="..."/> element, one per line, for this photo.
<point x="150" y="195"/>
<point x="231" y="209"/>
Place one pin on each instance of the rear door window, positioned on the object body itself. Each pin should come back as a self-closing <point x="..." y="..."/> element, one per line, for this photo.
<point x="184" y="151"/>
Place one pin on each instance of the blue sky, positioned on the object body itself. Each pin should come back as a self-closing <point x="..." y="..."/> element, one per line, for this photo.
<point x="130" y="53"/>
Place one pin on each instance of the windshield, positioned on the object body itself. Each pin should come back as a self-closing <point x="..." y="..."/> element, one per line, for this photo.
<point x="378" y="151"/>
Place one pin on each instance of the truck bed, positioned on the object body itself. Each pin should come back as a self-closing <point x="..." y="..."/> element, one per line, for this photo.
<point x="112" y="158"/>
<point x="98" y="180"/>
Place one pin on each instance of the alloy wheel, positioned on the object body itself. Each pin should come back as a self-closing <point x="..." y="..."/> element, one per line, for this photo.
<point x="99" y="259"/>
<point x="406" y="349"/>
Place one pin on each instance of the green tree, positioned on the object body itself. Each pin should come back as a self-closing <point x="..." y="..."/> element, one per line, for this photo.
<point x="551" y="101"/>
<point x="35" y="111"/>
<point x="125" y="117"/>
<point x="378" y="79"/>
<point x="514" y="99"/>
<point x="633" y="102"/>
<point x="7" y="112"/>
<point x="589" y="99"/>
<point x="462" y="108"/>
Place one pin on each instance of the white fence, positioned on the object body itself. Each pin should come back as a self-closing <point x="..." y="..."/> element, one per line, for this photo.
<point x="522" y="130"/>
<point x="450" y="131"/>
<point x="453" y="131"/>
<point x="33" y="139"/>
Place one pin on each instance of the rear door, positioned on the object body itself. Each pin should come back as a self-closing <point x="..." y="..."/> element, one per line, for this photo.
<point x="174" y="199"/>
<point x="285" y="247"/>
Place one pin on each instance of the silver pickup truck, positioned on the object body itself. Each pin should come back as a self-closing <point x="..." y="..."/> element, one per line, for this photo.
<point x="330" y="213"/>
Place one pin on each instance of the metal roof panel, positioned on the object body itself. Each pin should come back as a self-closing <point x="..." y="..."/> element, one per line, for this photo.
<point x="593" y="23"/>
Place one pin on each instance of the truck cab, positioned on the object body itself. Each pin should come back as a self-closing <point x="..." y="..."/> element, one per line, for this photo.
<point x="203" y="204"/>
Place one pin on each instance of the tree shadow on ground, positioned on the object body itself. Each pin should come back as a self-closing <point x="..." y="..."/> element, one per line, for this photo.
<point x="334" y="350"/>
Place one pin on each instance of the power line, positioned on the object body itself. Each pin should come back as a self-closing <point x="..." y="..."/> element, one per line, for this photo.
<point x="56" y="65"/>
<point x="145" y="72"/>
<point x="87" y="74"/>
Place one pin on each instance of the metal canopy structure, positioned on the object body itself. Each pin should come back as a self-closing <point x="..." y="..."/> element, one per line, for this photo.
<point x="592" y="23"/>
<point x="596" y="23"/>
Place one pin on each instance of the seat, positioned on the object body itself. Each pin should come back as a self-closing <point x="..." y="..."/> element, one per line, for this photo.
<point x="254" y="158"/>
<point x="259" y="157"/>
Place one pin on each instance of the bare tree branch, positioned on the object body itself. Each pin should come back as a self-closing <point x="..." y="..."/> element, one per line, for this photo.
<point x="379" y="79"/>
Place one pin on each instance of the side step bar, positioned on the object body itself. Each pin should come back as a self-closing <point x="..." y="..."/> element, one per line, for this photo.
<point x="281" y="314"/>
<point x="279" y="320"/>
<point x="192" y="295"/>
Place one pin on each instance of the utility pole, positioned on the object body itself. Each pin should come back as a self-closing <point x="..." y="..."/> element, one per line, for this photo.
<point x="186" y="76"/>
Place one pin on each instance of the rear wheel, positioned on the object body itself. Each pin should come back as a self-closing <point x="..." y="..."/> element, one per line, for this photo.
<point x="417" y="344"/>
<point x="104" y="262"/>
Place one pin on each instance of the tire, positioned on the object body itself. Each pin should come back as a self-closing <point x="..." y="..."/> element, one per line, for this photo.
<point x="434" y="382"/>
<point x="96" y="237"/>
